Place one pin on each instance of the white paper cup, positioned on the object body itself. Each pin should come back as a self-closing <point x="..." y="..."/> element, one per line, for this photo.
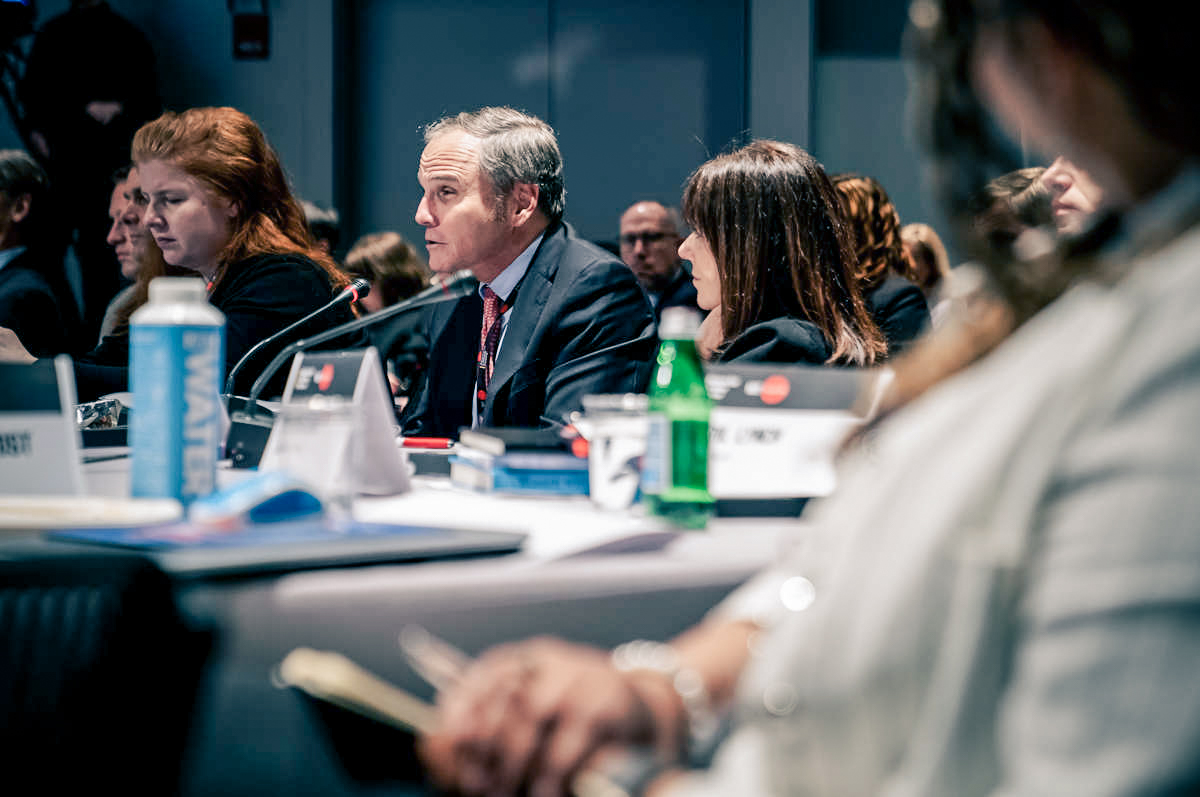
<point x="616" y="428"/>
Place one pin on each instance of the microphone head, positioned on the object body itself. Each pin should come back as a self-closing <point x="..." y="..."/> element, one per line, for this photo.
<point x="360" y="287"/>
<point x="460" y="283"/>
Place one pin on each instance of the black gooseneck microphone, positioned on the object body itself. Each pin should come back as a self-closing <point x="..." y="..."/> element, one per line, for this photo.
<point x="250" y="427"/>
<point x="357" y="289"/>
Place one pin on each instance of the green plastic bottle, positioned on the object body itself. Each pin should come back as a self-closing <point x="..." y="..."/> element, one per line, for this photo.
<point x="675" y="468"/>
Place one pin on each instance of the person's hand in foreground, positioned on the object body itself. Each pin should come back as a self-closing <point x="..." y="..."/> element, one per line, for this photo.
<point x="11" y="349"/>
<point x="530" y="716"/>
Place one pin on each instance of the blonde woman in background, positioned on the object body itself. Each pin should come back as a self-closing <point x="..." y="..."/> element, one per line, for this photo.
<point x="929" y="263"/>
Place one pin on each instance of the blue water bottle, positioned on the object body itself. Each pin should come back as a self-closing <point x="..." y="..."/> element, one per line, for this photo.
<point x="176" y="361"/>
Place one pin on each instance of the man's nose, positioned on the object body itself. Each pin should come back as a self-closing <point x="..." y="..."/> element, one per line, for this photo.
<point x="1057" y="179"/>
<point x="115" y="234"/>
<point x="423" y="216"/>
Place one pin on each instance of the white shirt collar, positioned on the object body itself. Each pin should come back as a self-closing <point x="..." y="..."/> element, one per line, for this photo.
<point x="504" y="284"/>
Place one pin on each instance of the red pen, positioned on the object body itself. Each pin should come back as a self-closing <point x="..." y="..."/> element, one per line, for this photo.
<point x="426" y="442"/>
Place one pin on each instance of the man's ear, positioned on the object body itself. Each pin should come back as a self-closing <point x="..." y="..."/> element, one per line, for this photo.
<point x="20" y="207"/>
<point x="524" y="199"/>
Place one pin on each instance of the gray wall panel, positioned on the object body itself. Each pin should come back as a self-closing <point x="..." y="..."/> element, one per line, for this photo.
<point x="861" y="127"/>
<point x="413" y="62"/>
<point x="642" y="93"/>
<point x="781" y="63"/>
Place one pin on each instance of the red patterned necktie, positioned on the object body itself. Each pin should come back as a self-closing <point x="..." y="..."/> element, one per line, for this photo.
<point x="489" y="339"/>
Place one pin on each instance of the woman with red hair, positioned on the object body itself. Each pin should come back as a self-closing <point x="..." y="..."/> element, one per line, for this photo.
<point x="218" y="204"/>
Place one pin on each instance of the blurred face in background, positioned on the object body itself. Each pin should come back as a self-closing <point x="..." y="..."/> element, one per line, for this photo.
<point x="704" y="271"/>
<point x="372" y="302"/>
<point x="189" y="222"/>
<point x="13" y="211"/>
<point x="1074" y="196"/>
<point x="127" y="236"/>
<point x="650" y="244"/>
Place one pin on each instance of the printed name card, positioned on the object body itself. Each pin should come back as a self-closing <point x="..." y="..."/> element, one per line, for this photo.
<point x="775" y="430"/>
<point x="39" y="440"/>
<point x="335" y="428"/>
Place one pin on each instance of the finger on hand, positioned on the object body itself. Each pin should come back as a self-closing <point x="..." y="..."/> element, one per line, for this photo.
<point x="563" y="756"/>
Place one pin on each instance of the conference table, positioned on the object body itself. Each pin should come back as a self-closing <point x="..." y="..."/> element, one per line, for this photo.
<point x="583" y="573"/>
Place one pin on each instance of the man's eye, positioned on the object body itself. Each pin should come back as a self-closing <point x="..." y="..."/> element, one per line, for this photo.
<point x="446" y="192"/>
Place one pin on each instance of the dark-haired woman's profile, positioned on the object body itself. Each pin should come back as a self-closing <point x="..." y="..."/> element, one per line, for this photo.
<point x="772" y="258"/>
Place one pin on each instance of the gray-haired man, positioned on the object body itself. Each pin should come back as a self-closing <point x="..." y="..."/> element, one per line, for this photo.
<point x="564" y="318"/>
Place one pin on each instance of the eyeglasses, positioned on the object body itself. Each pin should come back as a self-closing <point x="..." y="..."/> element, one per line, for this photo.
<point x="630" y="239"/>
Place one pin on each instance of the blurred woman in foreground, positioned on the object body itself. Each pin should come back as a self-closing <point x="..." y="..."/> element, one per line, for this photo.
<point x="772" y="258"/>
<point x="1020" y="614"/>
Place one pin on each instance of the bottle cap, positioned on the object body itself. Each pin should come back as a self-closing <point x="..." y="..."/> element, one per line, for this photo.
<point x="679" y="322"/>
<point x="178" y="289"/>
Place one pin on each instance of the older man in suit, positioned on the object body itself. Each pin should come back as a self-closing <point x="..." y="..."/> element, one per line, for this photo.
<point x="556" y="318"/>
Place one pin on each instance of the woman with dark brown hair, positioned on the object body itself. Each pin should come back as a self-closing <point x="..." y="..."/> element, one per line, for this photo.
<point x="218" y="204"/>
<point x="885" y="277"/>
<point x="772" y="256"/>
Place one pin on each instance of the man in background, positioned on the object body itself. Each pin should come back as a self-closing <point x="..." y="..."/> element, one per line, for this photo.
<point x="130" y="242"/>
<point x="325" y="225"/>
<point x="28" y="305"/>
<point x="88" y="85"/>
<point x="650" y="237"/>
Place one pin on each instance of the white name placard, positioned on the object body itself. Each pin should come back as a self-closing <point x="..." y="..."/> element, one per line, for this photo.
<point x="775" y="453"/>
<point x="336" y="427"/>
<point x="776" y="429"/>
<point x="39" y="439"/>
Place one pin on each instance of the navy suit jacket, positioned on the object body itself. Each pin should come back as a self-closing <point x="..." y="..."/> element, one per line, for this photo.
<point x="899" y="309"/>
<point x="580" y="324"/>
<point x="30" y="309"/>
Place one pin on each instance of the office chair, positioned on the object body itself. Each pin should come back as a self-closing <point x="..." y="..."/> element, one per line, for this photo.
<point x="98" y="674"/>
